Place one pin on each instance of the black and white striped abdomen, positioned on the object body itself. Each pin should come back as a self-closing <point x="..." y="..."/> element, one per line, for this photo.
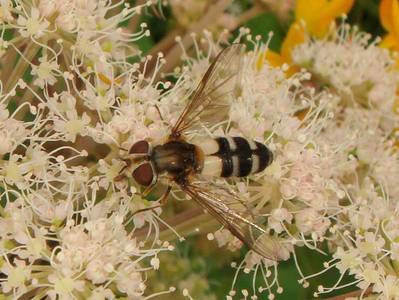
<point x="234" y="156"/>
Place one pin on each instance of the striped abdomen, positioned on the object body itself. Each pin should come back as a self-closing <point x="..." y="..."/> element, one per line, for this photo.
<point x="234" y="156"/>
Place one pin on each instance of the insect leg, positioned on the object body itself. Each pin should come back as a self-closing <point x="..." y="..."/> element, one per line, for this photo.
<point x="121" y="174"/>
<point x="149" y="188"/>
<point x="162" y="200"/>
<point x="159" y="112"/>
<point x="160" y="115"/>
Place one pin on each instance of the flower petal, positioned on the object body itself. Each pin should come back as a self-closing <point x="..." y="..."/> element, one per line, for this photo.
<point x="390" y="41"/>
<point x="389" y="15"/>
<point x="318" y="14"/>
<point x="395" y="17"/>
<point x="386" y="14"/>
<point x="295" y="35"/>
<point x="306" y="9"/>
<point x="273" y="58"/>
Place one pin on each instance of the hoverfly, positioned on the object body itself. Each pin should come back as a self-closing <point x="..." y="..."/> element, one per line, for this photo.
<point x="188" y="165"/>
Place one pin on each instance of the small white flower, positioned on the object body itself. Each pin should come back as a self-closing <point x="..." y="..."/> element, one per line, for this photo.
<point x="14" y="224"/>
<point x="46" y="208"/>
<point x="369" y="276"/>
<point x="310" y="221"/>
<point x="96" y="271"/>
<point x="73" y="125"/>
<point x="129" y="281"/>
<point x="61" y="103"/>
<point x="45" y="72"/>
<point x="5" y="11"/>
<point x="63" y="287"/>
<point x="7" y="142"/>
<point x="277" y="217"/>
<point x="348" y="259"/>
<point x="100" y="293"/>
<point x="109" y="171"/>
<point x="12" y="132"/>
<point x="17" y="277"/>
<point x="141" y="218"/>
<point x="223" y="237"/>
<point x="13" y="171"/>
<point x="62" y="11"/>
<point x="33" y="25"/>
<point x="155" y="263"/>
<point x="389" y="287"/>
<point x="371" y="245"/>
<point x="358" y="69"/>
<point x="99" y="101"/>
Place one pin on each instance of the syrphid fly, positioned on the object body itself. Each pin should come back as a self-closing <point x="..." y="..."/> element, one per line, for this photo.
<point x="190" y="165"/>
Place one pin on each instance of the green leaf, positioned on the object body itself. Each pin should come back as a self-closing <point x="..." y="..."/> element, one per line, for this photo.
<point x="365" y="14"/>
<point x="145" y="44"/>
<point x="264" y="24"/>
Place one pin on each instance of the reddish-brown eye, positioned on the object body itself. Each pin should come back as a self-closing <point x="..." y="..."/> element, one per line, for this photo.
<point x="144" y="174"/>
<point x="140" y="147"/>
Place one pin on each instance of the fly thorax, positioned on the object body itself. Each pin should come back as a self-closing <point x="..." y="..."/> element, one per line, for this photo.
<point x="174" y="157"/>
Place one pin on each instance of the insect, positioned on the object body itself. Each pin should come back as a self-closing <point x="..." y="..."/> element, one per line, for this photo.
<point x="190" y="165"/>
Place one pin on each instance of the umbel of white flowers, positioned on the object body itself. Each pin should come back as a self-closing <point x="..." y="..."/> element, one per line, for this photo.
<point x="69" y="230"/>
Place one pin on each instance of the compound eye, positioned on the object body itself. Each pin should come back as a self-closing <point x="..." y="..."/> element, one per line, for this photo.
<point x="140" y="147"/>
<point x="144" y="174"/>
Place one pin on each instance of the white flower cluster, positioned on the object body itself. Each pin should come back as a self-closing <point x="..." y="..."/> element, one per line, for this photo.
<point x="61" y="236"/>
<point x="357" y="69"/>
<point x="67" y="232"/>
<point x="332" y="128"/>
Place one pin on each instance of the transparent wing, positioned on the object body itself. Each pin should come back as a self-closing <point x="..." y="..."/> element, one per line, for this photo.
<point x="208" y="101"/>
<point x="233" y="214"/>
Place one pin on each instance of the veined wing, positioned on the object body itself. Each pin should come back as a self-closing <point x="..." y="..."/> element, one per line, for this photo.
<point x="207" y="101"/>
<point x="233" y="214"/>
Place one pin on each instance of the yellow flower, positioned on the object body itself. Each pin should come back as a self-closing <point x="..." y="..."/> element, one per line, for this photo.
<point x="312" y="17"/>
<point x="389" y="15"/>
<point x="318" y="14"/>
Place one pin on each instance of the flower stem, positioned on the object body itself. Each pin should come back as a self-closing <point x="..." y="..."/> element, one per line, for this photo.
<point x="355" y="294"/>
<point x="21" y="66"/>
